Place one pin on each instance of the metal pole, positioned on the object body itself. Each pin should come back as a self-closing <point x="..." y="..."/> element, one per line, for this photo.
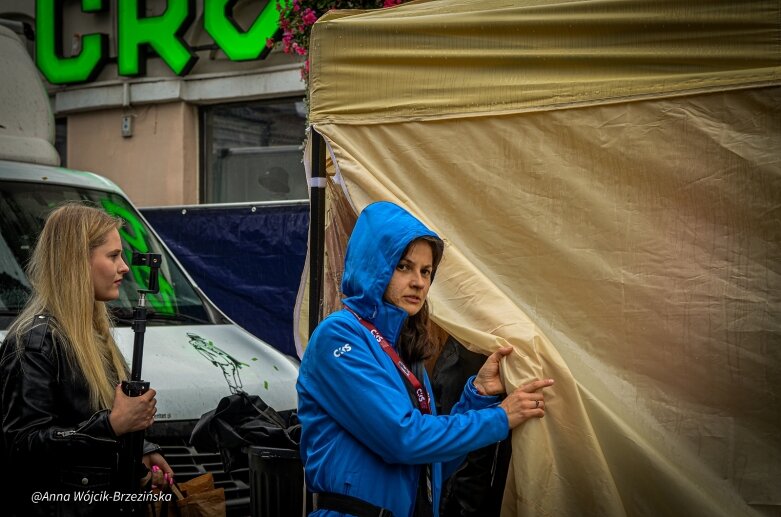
<point x="316" y="229"/>
<point x="133" y="443"/>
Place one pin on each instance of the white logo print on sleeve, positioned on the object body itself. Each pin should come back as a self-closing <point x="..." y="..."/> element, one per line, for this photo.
<point x="342" y="350"/>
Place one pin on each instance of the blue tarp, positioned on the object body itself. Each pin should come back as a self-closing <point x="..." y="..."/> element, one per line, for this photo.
<point x="248" y="263"/>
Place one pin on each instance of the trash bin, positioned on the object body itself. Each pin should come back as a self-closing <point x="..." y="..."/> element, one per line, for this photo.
<point x="277" y="486"/>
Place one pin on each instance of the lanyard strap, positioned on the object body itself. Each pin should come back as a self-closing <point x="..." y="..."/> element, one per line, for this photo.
<point x="421" y="395"/>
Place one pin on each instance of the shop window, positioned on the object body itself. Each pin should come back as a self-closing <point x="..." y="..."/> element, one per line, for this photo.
<point x="253" y="152"/>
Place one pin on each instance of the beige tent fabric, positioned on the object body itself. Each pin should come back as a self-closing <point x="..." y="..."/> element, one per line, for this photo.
<point x="628" y="246"/>
<point x="455" y="58"/>
<point x="640" y="273"/>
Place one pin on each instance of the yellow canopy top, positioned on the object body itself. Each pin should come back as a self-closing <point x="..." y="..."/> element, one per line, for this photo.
<point x="454" y="58"/>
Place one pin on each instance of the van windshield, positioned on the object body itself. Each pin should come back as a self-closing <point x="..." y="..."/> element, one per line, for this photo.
<point x="24" y="207"/>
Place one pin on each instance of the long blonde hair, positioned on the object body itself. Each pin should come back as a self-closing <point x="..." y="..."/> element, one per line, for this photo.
<point x="59" y="272"/>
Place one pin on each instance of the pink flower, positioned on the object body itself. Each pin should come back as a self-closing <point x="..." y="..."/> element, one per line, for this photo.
<point x="298" y="49"/>
<point x="305" y="70"/>
<point x="309" y="16"/>
<point x="287" y="39"/>
<point x="269" y="43"/>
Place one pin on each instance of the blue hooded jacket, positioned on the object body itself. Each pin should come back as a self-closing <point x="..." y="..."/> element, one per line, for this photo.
<point x="361" y="434"/>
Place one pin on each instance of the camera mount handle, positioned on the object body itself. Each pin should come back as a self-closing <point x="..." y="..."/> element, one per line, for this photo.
<point x="133" y="443"/>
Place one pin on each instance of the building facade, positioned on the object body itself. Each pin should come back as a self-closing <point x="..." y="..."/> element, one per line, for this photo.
<point x="177" y="101"/>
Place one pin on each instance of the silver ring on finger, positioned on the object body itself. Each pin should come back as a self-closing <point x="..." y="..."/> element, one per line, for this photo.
<point x="536" y="404"/>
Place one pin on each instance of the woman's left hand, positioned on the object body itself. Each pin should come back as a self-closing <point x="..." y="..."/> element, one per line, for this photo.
<point x="488" y="381"/>
<point x="161" y="472"/>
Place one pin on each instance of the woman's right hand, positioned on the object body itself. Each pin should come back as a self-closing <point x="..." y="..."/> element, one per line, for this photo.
<point x="129" y="414"/>
<point x="526" y="402"/>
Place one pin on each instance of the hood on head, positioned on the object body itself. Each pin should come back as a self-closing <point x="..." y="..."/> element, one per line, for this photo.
<point x="380" y="236"/>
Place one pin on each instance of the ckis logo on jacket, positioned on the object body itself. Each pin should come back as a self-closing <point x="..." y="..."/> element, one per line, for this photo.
<point x="342" y="350"/>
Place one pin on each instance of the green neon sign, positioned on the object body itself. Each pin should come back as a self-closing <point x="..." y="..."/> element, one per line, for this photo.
<point x="135" y="235"/>
<point x="138" y="34"/>
<point x="161" y="33"/>
<point x="84" y="66"/>
<point x="239" y="45"/>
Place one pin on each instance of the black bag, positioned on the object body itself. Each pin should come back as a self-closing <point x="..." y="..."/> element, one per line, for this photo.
<point x="242" y="420"/>
<point x="476" y="488"/>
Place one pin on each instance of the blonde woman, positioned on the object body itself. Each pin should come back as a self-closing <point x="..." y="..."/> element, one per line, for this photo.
<point x="63" y="411"/>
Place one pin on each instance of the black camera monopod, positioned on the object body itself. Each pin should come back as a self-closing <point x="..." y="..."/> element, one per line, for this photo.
<point x="133" y="445"/>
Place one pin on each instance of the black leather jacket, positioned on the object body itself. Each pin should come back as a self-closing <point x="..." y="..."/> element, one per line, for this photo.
<point x="53" y="443"/>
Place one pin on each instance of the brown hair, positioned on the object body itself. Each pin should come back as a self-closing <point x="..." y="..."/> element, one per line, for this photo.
<point x="415" y="342"/>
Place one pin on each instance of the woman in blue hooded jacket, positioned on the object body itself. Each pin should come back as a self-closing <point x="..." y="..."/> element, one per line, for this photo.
<point x="371" y="440"/>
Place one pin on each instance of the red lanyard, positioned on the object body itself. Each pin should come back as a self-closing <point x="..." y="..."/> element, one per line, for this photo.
<point x="420" y="392"/>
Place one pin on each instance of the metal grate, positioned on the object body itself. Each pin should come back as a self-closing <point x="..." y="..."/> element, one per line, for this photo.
<point x="187" y="462"/>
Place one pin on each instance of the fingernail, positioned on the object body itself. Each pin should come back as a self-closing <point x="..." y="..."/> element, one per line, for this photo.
<point x="155" y="468"/>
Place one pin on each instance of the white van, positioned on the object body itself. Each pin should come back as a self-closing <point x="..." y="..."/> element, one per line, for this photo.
<point x="193" y="354"/>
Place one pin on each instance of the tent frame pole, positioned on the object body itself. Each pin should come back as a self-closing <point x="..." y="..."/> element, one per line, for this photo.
<point x="316" y="229"/>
